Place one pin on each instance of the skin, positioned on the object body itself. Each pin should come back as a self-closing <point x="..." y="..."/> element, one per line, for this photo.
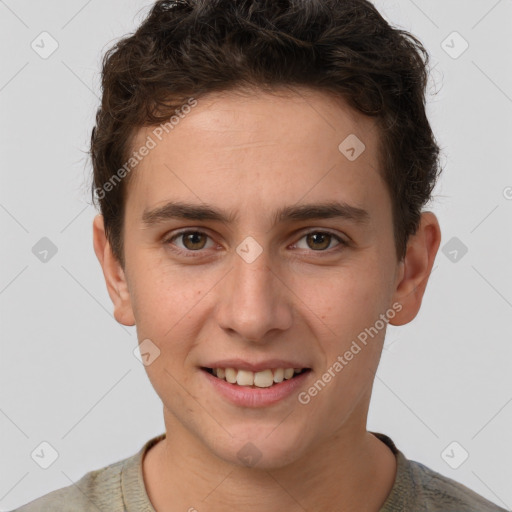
<point x="301" y="298"/>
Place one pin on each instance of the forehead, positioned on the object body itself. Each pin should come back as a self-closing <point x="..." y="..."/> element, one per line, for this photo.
<point x="256" y="150"/>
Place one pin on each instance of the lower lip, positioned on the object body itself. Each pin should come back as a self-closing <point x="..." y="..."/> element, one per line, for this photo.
<point x="245" y="396"/>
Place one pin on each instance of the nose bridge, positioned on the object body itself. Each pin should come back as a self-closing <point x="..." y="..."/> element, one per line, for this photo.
<point x="254" y="279"/>
<point x="254" y="301"/>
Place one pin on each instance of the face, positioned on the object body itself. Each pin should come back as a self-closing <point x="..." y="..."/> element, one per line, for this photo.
<point x="259" y="282"/>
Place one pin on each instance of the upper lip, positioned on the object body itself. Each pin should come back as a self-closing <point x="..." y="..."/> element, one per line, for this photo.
<point x="241" y="364"/>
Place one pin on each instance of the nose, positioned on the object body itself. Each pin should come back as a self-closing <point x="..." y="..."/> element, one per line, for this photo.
<point x="255" y="301"/>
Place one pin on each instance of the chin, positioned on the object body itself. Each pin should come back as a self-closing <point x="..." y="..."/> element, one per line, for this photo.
<point x="261" y="448"/>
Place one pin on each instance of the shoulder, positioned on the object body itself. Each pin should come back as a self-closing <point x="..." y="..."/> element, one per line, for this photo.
<point x="420" y="489"/>
<point x="98" y="489"/>
<point x="442" y="494"/>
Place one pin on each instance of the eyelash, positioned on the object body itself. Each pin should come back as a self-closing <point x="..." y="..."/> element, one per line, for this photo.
<point x="188" y="253"/>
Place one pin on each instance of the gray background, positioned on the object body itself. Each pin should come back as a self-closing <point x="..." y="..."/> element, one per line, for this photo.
<point x="68" y="375"/>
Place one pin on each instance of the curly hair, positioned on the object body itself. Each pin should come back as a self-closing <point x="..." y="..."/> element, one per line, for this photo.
<point x="187" y="48"/>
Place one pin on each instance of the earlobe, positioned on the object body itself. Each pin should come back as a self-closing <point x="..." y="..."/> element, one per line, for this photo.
<point x="416" y="268"/>
<point x="113" y="273"/>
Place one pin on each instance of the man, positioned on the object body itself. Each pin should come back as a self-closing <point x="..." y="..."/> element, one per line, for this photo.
<point x="261" y="169"/>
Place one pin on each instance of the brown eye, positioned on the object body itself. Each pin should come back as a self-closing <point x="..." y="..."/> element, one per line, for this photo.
<point x="319" y="241"/>
<point x="193" y="240"/>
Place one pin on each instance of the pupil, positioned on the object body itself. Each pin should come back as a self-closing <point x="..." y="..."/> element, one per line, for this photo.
<point x="192" y="239"/>
<point x="324" y="236"/>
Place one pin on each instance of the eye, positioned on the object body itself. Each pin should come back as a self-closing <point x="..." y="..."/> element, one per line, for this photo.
<point x="193" y="241"/>
<point x="321" y="240"/>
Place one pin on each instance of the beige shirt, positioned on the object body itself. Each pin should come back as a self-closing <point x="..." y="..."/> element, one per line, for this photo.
<point x="119" y="487"/>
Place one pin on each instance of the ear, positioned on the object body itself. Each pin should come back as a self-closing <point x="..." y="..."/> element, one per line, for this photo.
<point x="415" y="269"/>
<point x="114" y="274"/>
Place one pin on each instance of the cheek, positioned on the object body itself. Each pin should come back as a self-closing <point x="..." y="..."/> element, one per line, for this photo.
<point x="164" y="300"/>
<point x="347" y="308"/>
<point x="349" y="294"/>
<point x="156" y="284"/>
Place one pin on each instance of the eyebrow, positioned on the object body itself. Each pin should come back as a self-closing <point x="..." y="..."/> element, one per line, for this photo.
<point x="199" y="212"/>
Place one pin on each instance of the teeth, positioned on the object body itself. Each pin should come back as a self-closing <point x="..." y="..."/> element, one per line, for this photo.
<point x="278" y="375"/>
<point x="245" y="378"/>
<point x="262" y="379"/>
<point x="231" y="375"/>
<point x="288" y="373"/>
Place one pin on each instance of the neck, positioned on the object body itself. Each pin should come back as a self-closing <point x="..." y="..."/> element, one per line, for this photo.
<point x="352" y="470"/>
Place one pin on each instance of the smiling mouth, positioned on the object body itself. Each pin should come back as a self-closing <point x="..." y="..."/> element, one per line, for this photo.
<point x="263" y="379"/>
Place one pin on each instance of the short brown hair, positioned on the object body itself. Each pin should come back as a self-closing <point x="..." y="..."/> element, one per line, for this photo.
<point x="187" y="48"/>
